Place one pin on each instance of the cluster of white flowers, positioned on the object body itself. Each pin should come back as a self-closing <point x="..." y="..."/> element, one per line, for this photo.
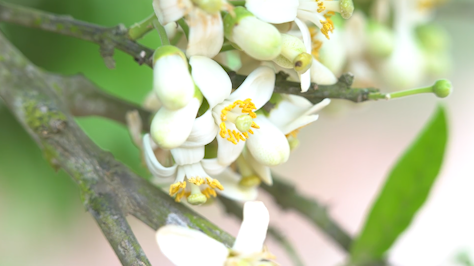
<point x="208" y="138"/>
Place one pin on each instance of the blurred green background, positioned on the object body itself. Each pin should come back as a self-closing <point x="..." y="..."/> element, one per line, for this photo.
<point x="35" y="200"/>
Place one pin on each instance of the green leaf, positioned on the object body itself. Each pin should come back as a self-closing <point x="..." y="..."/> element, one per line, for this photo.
<point x="404" y="192"/>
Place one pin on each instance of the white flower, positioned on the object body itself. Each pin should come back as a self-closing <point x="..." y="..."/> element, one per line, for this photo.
<point x="185" y="246"/>
<point x="190" y="173"/>
<point x="206" y="32"/>
<point x="289" y="116"/>
<point x="234" y="113"/>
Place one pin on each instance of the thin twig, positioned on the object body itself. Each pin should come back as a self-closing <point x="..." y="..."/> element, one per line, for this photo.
<point x="232" y="207"/>
<point x="288" y="197"/>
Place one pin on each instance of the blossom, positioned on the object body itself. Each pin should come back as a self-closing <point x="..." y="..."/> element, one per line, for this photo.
<point x="206" y="32"/>
<point x="190" y="172"/>
<point x="248" y="247"/>
<point x="289" y="116"/>
<point x="234" y="113"/>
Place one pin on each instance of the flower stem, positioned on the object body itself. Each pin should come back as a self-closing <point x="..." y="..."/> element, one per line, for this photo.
<point x="442" y="88"/>
<point x="237" y="3"/>
<point x="184" y="26"/>
<point x="140" y="29"/>
<point x="161" y="30"/>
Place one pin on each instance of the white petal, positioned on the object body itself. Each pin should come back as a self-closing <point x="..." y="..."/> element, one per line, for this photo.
<point x="333" y="53"/>
<point x="232" y="190"/>
<point x="172" y="82"/>
<point x="258" y="86"/>
<point x="170" y="129"/>
<point x="268" y="144"/>
<point x="204" y="131"/>
<point x="184" y="156"/>
<point x="262" y="171"/>
<point x="206" y="33"/>
<point x="184" y="246"/>
<point x="170" y="10"/>
<point x="321" y="74"/>
<point x="273" y="11"/>
<point x="211" y="79"/>
<point x="212" y="166"/>
<point x="153" y="164"/>
<point x="227" y="152"/>
<point x="253" y="230"/>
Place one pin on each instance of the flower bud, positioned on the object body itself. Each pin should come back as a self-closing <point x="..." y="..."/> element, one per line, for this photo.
<point x="380" y="40"/>
<point x="432" y="38"/>
<point x="258" y="39"/>
<point x="442" y="88"/>
<point x="172" y="81"/>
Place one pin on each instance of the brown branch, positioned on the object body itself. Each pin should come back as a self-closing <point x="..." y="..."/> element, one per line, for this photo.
<point x="288" y="197"/>
<point x="109" y="190"/>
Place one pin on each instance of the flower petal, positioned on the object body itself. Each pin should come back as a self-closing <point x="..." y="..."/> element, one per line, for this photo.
<point x="273" y="11"/>
<point x="203" y="132"/>
<point x="232" y="190"/>
<point x="170" y="129"/>
<point x="154" y="166"/>
<point x="212" y="166"/>
<point x="185" y="246"/>
<point x="227" y="152"/>
<point x="184" y="156"/>
<point x="258" y="86"/>
<point x="206" y="33"/>
<point x="172" y="82"/>
<point x="211" y="79"/>
<point x="321" y="74"/>
<point x="262" y="171"/>
<point x="170" y="10"/>
<point x="268" y="144"/>
<point x="253" y="230"/>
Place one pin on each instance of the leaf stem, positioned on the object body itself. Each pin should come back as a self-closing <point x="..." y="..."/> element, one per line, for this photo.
<point x="140" y="29"/>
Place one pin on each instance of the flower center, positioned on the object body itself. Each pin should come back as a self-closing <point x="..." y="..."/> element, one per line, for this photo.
<point x="243" y="120"/>
<point x="195" y="196"/>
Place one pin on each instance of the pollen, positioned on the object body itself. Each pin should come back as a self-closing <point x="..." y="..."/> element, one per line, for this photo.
<point x="209" y="192"/>
<point x="315" y="43"/>
<point x="196" y="180"/>
<point x="321" y="6"/>
<point x="235" y="136"/>
<point x="178" y="189"/>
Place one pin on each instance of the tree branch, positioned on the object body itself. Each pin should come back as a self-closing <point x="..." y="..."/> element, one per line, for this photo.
<point x="118" y="37"/>
<point x="232" y="207"/>
<point x="288" y="197"/>
<point x="109" y="190"/>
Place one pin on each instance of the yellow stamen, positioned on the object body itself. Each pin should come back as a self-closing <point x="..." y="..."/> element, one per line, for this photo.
<point x="321" y="7"/>
<point x="197" y="180"/>
<point x="213" y="183"/>
<point x="209" y="192"/>
<point x="234" y="136"/>
<point x="174" y="188"/>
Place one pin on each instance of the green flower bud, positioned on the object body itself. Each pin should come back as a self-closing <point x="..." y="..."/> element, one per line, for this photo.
<point x="210" y="6"/>
<point x="347" y="8"/>
<point x="442" y="88"/>
<point x="380" y="40"/>
<point x="432" y="38"/>
<point x="258" y="39"/>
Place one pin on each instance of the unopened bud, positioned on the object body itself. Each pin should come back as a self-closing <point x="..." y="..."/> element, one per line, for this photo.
<point x="172" y="81"/>
<point x="210" y="6"/>
<point x="347" y="8"/>
<point x="380" y="40"/>
<point x="432" y="38"/>
<point x="258" y="39"/>
<point x="442" y="88"/>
